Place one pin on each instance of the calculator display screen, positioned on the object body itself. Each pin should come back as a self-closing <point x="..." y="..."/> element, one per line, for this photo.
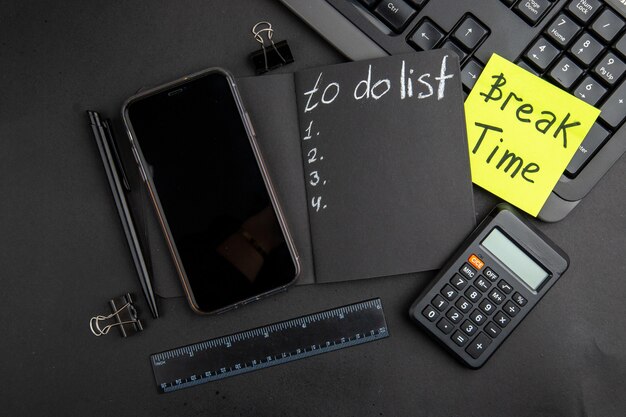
<point x="514" y="258"/>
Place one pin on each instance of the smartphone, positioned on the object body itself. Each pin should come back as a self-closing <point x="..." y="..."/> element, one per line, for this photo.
<point x="198" y="156"/>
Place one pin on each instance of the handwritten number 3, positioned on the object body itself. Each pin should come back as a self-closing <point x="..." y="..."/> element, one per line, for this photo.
<point x="316" y="178"/>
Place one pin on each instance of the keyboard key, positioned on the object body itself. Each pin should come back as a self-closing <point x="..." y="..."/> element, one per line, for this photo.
<point x="482" y="284"/>
<point x="445" y="326"/>
<point x="396" y="14"/>
<point x="501" y="319"/>
<point x="542" y="53"/>
<point x="607" y="25"/>
<point x="610" y="68"/>
<point x="527" y="67"/>
<point x="417" y="4"/>
<point x="487" y="307"/>
<point x="478" y="317"/>
<point x="469" y="328"/>
<point x="505" y="287"/>
<point x="449" y="293"/>
<point x="594" y="140"/>
<point x="532" y="10"/>
<point x="478" y="345"/>
<point x="562" y="29"/>
<point x="454" y="315"/>
<point x="586" y="49"/>
<point x="621" y="45"/>
<point x="430" y="313"/>
<point x="426" y="36"/>
<point x="439" y="303"/>
<point x="509" y="3"/>
<point x="470" y="73"/>
<point x="470" y="32"/>
<point x="456" y="49"/>
<point x="369" y="3"/>
<point x="614" y="109"/>
<point x="468" y="271"/>
<point x="458" y="282"/>
<point x="583" y="10"/>
<point x="473" y="294"/>
<point x="492" y="330"/>
<point x="496" y="296"/>
<point x="463" y="305"/>
<point x="590" y="90"/>
<point x="459" y="338"/>
<point x="565" y="72"/>
<point x="519" y="299"/>
<point x="511" y="308"/>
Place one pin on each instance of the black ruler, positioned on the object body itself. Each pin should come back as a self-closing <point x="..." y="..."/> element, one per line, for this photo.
<point x="269" y="345"/>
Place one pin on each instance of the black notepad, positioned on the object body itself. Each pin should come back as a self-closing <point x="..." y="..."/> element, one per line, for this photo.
<point x="371" y="166"/>
<point x="385" y="184"/>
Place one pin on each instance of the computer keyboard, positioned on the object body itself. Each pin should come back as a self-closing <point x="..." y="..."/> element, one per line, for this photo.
<point x="582" y="50"/>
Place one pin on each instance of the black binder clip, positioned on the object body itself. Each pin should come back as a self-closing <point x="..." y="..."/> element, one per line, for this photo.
<point x="274" y="56"/>
<point x="124" y="314"/>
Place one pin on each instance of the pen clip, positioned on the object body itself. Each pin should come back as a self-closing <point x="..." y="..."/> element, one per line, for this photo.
<point x="119" y="166"/>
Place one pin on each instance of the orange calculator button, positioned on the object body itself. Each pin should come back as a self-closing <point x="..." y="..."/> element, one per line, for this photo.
<point x="476" y="261"/>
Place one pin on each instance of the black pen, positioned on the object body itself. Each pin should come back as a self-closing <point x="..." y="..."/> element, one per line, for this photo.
<point x="119" y="186"/>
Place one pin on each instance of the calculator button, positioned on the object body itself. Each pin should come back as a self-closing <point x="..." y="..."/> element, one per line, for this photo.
<point x="492" y="276"/>
<point x="504" y="286"/>
<point x="463" y="305"/>
<point x="473" y="294"/>
<point x="445" y="326"/>
<point x="589" y="90"/>
<point x="565" y="72"/>
<point x="469" y="328"/>
<point x="501" y="319"/>
<point x="449" y="293"/>
<point x="562" y="30"/>
<point x="459" y="338"/>
<point x="511" y="308"/>
<point x="586" y="48"/>
<point x="454" y="315"/>
<point x="492" y="330"/>
<point x="532" y="11"/>
<point x="476" y="262"/>
<point x="478" y="345"/>
<point x="519" y="299"/>
<point x="482" y="284"/>
<point x="607" y="25"/>
<point x="468" y="271"/>
<point x="430" y="313"/>
<point x="542" y="53"/>
<point x="439" y="303"/>
<point x="487" y="306"/>
<point x="470" y="32"/>
<point x="610" y="68"/>
<point x="478" y="317"/>
<point x="496" y="296"/>
<point x="583" y="10"/>
<point x="396" y="14"/>
<point x="458" y="282"/>
<point x="426" y="36"/>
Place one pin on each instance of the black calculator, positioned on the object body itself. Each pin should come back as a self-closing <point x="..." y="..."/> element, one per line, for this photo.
<point x="491" y="283"/>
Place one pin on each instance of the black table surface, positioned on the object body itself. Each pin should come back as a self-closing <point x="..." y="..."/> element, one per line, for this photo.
<point x="64" y="253"/>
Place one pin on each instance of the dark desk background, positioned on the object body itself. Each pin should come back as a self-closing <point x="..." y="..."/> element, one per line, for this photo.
<point x="64" y="254"/>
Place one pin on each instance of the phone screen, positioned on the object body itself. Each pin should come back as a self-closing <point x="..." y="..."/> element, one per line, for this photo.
<point x="212" y="193"/>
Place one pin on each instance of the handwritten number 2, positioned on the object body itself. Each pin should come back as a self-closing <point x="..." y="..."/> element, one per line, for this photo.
<point x="312" y="155"/>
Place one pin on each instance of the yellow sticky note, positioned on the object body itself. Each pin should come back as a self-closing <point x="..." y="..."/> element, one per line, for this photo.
<point x="522" y="132"/>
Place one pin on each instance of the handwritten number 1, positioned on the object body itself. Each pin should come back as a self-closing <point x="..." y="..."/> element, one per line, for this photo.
<point x="308" y="131"/>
